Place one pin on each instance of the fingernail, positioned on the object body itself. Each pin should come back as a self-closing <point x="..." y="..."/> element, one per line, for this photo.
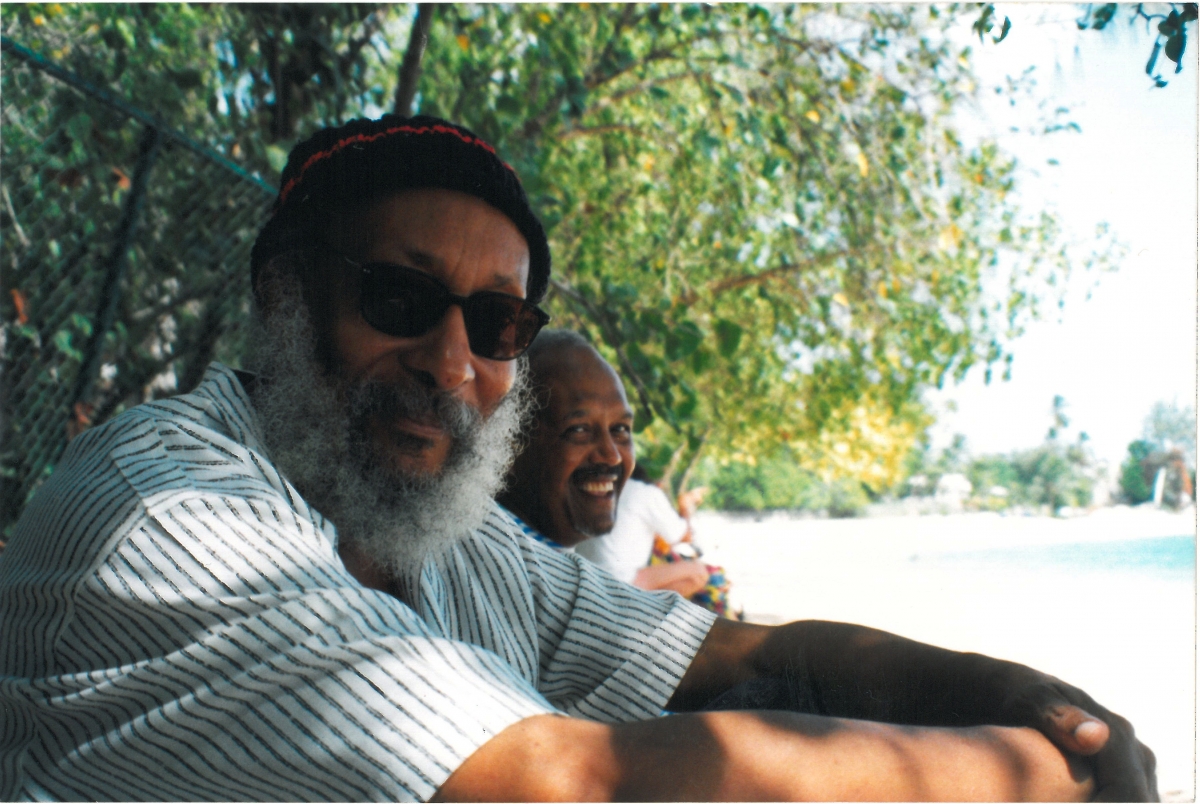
<point x="1089" y="730"/>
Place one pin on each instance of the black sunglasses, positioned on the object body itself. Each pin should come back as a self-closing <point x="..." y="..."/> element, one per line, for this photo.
<point x="406" y="303"/>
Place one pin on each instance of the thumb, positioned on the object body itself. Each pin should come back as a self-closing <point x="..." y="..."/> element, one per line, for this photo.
<point x="1077" y="731"/>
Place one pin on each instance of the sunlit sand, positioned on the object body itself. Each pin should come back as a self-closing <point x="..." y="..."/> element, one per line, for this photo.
<point x="1123" y="631"/>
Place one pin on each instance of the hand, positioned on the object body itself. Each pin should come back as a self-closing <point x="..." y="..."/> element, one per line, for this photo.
<point x="1122" y="767"/>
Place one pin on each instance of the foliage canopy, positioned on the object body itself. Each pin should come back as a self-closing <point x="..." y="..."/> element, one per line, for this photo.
<point x="763" y="214"/>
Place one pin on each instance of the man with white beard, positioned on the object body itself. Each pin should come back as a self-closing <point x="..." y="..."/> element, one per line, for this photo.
<point x="293" y="584"/>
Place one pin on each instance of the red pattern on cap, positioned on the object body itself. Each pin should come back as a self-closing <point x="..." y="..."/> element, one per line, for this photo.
<point x="365" y="138"/>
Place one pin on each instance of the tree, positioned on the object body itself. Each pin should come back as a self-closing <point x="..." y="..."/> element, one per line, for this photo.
<point x="103" y="309"/>
<point x="1169" y="29"/>
<point x="1059" y="420"/>
<point x="247" y="79"/>
<point x="1169" y="427"/>
<point x="763" y="215"/>
<point x="1134" y="485"/>
<point x="1053" y="476"/>
<point x="1057" y="473"/>
<point x="1167" y="446"/>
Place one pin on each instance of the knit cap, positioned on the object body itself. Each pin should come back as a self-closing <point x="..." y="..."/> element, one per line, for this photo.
<point x="347" y="168"/>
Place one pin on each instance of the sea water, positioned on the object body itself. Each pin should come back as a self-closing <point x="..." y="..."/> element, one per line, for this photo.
<point x="1174" y="555"/>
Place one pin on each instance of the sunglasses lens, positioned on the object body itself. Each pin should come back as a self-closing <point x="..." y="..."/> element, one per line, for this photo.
<point x="401" y="302"/>
<point x="406" y="303"/>
<point x="499" y="326"/>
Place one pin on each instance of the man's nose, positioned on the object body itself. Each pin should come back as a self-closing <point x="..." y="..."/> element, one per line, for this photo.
<point x="445" y="352"/>
<point x="605" y="450"/>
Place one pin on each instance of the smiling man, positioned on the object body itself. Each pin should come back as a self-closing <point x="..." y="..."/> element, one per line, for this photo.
<point x="567" y="480"/>
<point x="294" y="584"/>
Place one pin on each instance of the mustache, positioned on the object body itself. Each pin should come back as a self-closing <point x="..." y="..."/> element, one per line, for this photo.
<point x="411" y="401"/>
<point x="585" y="474"/>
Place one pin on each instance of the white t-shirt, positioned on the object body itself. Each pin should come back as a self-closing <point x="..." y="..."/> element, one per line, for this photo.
<point x="176" y="625"/>
<point x="643" y="510"/>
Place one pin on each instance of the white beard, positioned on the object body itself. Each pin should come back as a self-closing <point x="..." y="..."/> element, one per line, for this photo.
<point x="314" y="429"/>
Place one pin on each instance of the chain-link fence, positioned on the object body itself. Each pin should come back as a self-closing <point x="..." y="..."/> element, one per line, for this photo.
<point x="125" y="259"/>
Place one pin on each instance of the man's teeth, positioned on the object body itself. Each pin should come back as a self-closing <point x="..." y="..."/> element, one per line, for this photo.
<point x="598" y="486"/>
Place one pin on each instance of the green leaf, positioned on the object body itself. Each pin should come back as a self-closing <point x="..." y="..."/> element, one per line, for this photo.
<point x="638" y="360"/>
<point x="1003" y="31"/>
<point x="984" y="24"/>
<point x="126" y="31"/>
<point x="25" y="331"/>
<point x="729" y="337"/>
<point x="1174" y="49"/>
<point x="509" y="104"/>
<point x="687" y="406"/>
<point x="683" y="340"/>
<point x="1170" y="25"/>
<point x="277" y="158"/>
<point x="62" y="342"/>
<point x="82" y="323"/>
<point x="79" y="127"/>
<point x="1103" y="15"/>
<point x="187" y="79"/>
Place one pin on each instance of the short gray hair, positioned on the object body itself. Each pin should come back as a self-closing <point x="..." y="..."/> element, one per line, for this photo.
<point x="552" y="342"/>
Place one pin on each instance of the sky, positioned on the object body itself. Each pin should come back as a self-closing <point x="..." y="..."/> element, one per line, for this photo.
<point x="1132" y="165"/>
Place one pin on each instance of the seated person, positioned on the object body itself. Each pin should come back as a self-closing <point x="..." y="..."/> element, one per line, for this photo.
<point x="639" y="549"/>
<point x="643" y="513"/>
<point x="296" y="584"/>
<point x="642" y="510"/>
<point x="577" y="509"/>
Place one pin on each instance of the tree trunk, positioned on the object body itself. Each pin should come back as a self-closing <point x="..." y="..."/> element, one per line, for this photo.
<point x="410" y="68"/>
<point x="694" y="459"/>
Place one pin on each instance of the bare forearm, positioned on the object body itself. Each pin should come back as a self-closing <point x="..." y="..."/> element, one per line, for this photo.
<point x="858" y="672"/>
<point x="852" y="671"/>
<point x="796" y="757"/>
<point x="761" y="756"/>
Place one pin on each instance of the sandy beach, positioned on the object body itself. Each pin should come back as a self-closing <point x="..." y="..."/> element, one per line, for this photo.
<point x="1067" y="596"/>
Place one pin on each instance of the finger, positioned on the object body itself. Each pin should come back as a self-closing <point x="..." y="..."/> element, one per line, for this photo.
<point x="1091" y="735"/>
<point x="1076" y="730"/>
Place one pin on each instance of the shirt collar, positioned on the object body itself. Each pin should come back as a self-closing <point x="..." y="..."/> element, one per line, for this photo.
<point x="536" y="535"/>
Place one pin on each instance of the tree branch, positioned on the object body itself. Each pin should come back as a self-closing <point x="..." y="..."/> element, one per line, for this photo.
<point x="622" y="22"/>
<point x="686" y="477"/>
<point x="642" y="87"/>
<point x="780" y="271"/>
<point x="410" y="67"/>
<point x="587" y="131"/>
<point x="613" y="338"/>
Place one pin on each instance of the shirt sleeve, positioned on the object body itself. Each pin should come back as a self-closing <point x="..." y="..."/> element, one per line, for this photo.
<point x="608" y="651"/>
<point x="661" y="515"/>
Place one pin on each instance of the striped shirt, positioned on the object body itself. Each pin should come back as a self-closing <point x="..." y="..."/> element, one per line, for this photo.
<point x="177" y="625"/>
<point x="535" y="534"/>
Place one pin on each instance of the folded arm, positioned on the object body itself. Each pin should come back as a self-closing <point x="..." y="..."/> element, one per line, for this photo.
<point x="776" y="756"/>
<point x="851" y="671"/>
